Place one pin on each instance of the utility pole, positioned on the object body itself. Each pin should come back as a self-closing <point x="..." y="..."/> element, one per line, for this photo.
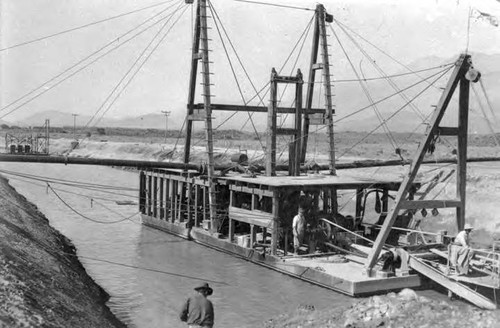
<point x="167" y="114"/>
<point x="74" y="125"/>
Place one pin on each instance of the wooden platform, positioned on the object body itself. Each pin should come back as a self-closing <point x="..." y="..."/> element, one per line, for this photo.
<point x="346" y="278"/>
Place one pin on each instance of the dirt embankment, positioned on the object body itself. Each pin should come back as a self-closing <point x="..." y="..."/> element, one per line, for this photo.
<point x="42" y="283"/>
<point x="403" y="310"/>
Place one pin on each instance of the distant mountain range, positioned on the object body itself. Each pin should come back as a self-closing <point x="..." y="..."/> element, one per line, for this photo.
<point x="348" y="99"/>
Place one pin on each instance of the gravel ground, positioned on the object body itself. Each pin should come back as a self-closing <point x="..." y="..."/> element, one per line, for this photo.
<point x="403" y="310"/>
<point x="42" y="283"/>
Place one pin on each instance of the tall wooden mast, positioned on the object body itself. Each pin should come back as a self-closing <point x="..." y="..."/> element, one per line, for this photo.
<point x="319" y="42"/>
<point x="200" y="38"/>
<point x="402" y="202"/>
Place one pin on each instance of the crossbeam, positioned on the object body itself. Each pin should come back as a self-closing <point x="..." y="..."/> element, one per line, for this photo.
<point x="257" y="109"/>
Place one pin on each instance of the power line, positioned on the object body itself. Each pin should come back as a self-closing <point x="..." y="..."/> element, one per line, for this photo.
<point x="46" y="89"/>
<point x="53" y="251"/>
<point x="275" y="5"/>
<point x="143" y="62"/>
<point x="81" y="27"/>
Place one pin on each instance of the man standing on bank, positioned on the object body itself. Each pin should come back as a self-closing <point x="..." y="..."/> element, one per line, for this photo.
<point x="198" y="311"/>
<point x="298" y="229"/>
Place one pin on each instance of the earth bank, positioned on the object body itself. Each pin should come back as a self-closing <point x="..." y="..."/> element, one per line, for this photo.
<point x="402" y="310"/>
<point x="42" y="282"/>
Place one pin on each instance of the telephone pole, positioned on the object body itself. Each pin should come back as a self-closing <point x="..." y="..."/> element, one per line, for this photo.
<point x="167" y="114"/>
<point x="74" y="125"/>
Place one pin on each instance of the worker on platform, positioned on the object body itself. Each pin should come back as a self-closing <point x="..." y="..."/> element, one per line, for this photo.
<point x="298" y="229"/>
<point x="198" y="311"/>
<point x="460" y="252"/>
<point x="462" y="238"/>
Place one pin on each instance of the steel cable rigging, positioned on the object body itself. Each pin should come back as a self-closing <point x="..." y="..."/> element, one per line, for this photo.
<point x="44" y="86"/>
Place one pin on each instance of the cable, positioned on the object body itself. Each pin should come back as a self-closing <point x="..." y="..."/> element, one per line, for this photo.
<point x="84" y="216"/>
<point x="46" y="89"/>
<point x="82" y="26"/>
<point x="367" y="93"/>
<point x="395" y="113"/>
<point x="140" y="66"/>
<point x="274" y="5"/>
<point x="52" y="251"/>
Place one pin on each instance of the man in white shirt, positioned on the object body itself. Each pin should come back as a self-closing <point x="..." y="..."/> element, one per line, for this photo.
<point x="298" y="229"/>
<point x="462" y="239"/>
<point x="460" y="251"/>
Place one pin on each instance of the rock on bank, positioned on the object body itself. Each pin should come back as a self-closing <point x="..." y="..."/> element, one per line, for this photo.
<point x="42" y="282"/>
<point x="403" y="310"/>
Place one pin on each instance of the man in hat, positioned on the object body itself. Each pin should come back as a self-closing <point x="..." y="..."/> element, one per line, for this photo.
<point x="298" y="229"/>
<point x="460" y="251"/>
<point x="198" y="311"/>
<point x="462" y="239"/>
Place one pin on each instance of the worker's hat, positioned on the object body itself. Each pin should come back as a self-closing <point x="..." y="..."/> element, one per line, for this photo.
<point x="206" y="287"/>
<point x="468" y="227"/>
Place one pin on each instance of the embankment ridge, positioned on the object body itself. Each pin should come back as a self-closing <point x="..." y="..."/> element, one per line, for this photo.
<point x="42" y="283"/>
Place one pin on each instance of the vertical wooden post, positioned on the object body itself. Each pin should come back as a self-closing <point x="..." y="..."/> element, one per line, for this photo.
<point x="181" y="203"/>
<point x="161" y="198"/>
<point x="142" y="192"/>
<point x="298" y="123"/>
<point x="253" y="235"/>
<point x="275" y="235"/>
<point x="463" y="127"/>
<point x="166" y="198"/>
<point x="192" y="84"/>
<point x="359" y="203"/>
<point x="196" y="204"/>
<point x="208" y="119"/>
<point x="155" y="195"/>
<point x="327" y="85"/>
<point x="149" y="202"/>
<point x="310" y="87"/>
<point x="172" y="196"/>
<point x="271" y="127"/>
<point x="175" y="195"/>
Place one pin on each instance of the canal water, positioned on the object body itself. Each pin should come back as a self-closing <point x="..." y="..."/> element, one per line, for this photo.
<point x="149" y="273"/>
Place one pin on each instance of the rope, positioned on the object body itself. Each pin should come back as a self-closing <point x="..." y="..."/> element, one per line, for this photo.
<point x="81" y="27"/>
<point x="380" y="50"/>
<point x="381" y="71"/>
<point x="274" y="5"/>
<point x="396" y="112"/>
<point x="490" y="127"/>
<point x="139" y="67"/>
<point x="46" y="89"/>
<point x="367" y="93"/>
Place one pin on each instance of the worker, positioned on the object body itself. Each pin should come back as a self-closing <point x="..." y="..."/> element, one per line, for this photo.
<point x="198" y="311"/>
<point x="460" y="252"/>
<point x="298" y="229"/>
<point x="462" y="238"/>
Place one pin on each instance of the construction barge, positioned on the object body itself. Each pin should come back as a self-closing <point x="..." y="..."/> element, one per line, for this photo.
<point x="249" y="213"/>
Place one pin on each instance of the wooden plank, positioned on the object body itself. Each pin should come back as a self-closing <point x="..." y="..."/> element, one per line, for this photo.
<point x="454" y="286"/>
<point x="255" y="217"/>
<point x="448" y="131"/>
<point x="257" y="109"/>
<point x="430" y="203"/>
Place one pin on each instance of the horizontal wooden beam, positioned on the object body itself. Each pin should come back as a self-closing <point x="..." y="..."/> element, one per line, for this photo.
<point x="448" y="131"/>
<point x="258" y="109"/>
<point x="431" y="203"/>
<point x="286" y="131"/>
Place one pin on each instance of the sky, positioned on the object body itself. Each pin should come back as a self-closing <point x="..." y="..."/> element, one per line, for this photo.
<point x="262" y="35"/>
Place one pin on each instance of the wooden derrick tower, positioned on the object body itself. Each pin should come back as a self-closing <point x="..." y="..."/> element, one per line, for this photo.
<point x="304" y="117"/>
<point x="460" y="76"/>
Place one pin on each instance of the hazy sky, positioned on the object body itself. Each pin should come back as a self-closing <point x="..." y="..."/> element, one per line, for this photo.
<point x="262" y="35"/>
